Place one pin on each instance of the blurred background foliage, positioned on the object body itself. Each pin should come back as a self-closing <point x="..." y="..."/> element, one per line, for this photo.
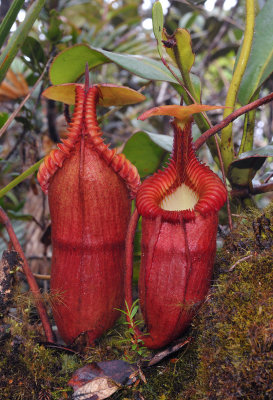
<point x="114" y="28"/>
<point x="216" y="29"/>
<point x="119" y="27"/>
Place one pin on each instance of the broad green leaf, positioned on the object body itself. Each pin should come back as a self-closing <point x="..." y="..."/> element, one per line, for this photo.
<point x="185" y="56"/>
<point x="163" y="141"/>
<point x="181" y="51"/>
<point x="244" y="168"/>
<point x="112" y="95"/>
<point x="145" y="153"/>
<point x="158" y="20"/>
<point x="18" y="37"/>
<point x="266" y="151"/>
<point x="179" y="48"/>
<point x="260" y="63"/>
<point x="169" y="49"/>
<point x="145" y="67"/>
<point x="69" y="65"/>
<point x="9" y="19"/>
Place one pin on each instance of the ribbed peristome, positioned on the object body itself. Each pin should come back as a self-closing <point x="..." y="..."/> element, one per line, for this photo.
<point x="183" y="169"/>
<point x="85" y="122"/>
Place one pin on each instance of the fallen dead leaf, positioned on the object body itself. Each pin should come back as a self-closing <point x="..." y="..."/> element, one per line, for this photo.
<point x="97" y="389"/>
<point x="102" y="379"/>
<point x="13" y="86"/>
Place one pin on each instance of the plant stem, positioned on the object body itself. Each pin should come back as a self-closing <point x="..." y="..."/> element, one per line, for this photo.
<point x="13" y="115"/>
<point x="257" y="189"/>
<point x="227" y="148"/>
<point x="30" y="278"/>
<point x="251" y="106"/>
<point x="129" y="251"/>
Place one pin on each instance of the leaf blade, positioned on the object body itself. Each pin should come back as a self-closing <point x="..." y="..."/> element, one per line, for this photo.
<point x="18" y="37"/>
<point x="260" y="64"/>
<point x="158" y="21"/>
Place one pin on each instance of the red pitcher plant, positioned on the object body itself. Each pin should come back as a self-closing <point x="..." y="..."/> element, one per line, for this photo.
<point x="179" y="207"/>
<point x="89" y="188"/>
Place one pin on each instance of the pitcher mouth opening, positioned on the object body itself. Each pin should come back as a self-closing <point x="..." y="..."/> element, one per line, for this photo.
<point x="182" y="198"/>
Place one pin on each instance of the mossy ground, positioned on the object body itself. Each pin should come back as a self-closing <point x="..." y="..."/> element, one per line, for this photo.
<point x="231" y="356"/>
<point x="235" y="326"/>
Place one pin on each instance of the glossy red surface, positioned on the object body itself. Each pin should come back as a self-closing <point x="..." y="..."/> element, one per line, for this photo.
<point x="90" y="189"/>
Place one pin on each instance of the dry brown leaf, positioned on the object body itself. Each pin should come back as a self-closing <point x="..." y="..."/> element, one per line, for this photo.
<point x="98" y="389"/>
<point x="13" y="86"/>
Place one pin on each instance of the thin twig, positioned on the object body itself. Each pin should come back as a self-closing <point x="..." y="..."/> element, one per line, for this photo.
<point x="239" y="216"/>
<point x="246" y="191"/>
<point x="239" y="261"/>
<point x="30" y="278"/>
<point x="38" y="276"/>
<point x="251" y="106"/>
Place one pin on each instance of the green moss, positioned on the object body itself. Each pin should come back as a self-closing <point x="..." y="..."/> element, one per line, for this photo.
<point x="235" y="330"/>
<point x="231" y="356"/>
<point x="29" y="369"/>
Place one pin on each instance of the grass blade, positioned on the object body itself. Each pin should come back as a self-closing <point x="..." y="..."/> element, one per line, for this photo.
<point x="9" y="20"/>
<point x="18" y="37"/>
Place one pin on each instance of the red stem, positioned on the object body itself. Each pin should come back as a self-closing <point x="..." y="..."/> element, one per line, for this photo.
<point x="30" y="278"/>
<point x="246" y="191"/>
<point x="225" y="182"/>
<point x="129" y="255"/>
<point x="251" y="106"/>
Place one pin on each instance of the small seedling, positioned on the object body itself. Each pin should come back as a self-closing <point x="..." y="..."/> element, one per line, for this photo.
<point x="131" y="337"/>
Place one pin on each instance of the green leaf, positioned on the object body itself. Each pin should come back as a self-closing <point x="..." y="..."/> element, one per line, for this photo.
<point x="3" y="118"/>
<point x="144" y="67"/>
<point x="185" y="57"/>
<point x="33" y="49"/>
<point x="158" y="21"/>
<point x="266" y="151"/>
<point x="18" y="37"/>
<point x="9" y="20"/>
<point x="69" y="65"/>
<point x="244" y="168"/>
<point x="163" y="141"/>
<point x="133" y="312"/>
<point x="147" y="151"/>
<point x="20" y="178"/>
<point x="180" y="51"/>
<point x="260" y="63"/>
<point x="21" y="217"/>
